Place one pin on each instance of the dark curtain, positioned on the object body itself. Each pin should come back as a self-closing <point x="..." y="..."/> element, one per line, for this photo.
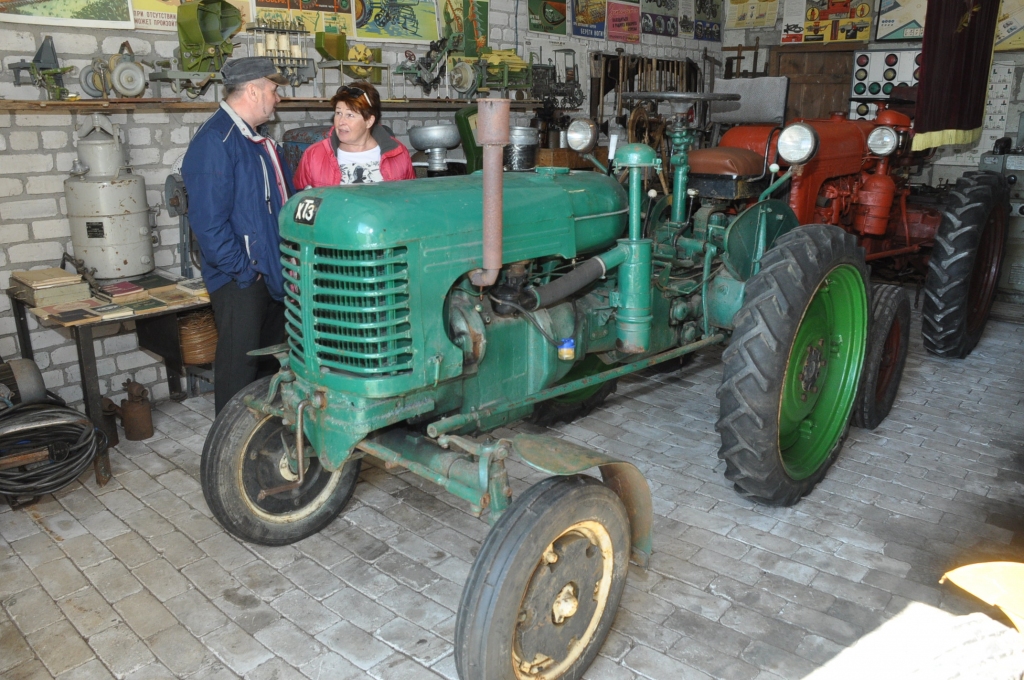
<point x="956" y="57"/>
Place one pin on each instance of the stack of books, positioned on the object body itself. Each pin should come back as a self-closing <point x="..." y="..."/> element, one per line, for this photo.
<point x="45" y="287"/>
<point x="122" y="292"/>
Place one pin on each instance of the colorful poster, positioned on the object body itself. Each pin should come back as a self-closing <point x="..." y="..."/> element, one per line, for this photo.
<point x="78" y="13"/>
<point x="454" y="20"/>
<point x="588" y="18"/>
<point x="547" y="16"/>
<point x="330" y="16"/>
<point x="397" y="20"/>
<point x="162" y="15"/>
<point x="707" y="23"/>
<point x="751" y="13"/>
<point x="901" y="19"/>
<point x="686" y="18"/>
<point x="1010" y="26"/>
<point x="827" y="21"/>
<point x="659" y="17"/>
<point x="623" y="22"/>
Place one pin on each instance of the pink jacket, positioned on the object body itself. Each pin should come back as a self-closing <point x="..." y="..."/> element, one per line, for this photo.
<point x="319" y="164"/>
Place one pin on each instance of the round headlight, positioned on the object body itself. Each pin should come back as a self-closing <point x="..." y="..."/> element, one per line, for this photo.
<point x="883" y="141"/>
<point x="798" y="143"/>
<point x="582" y="135"/>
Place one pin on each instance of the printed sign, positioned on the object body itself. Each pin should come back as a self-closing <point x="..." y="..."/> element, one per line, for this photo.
<point x="588" y="18"/>
<point x="901" y="19"/>
<point x="623" y="23"/>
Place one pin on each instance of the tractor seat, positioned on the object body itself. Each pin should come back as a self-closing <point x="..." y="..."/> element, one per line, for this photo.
<point x="727" y="172"/>
<point x="726" y="160"/>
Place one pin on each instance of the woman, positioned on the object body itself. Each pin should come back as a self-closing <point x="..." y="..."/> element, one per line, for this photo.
<point x="358" y="150"/>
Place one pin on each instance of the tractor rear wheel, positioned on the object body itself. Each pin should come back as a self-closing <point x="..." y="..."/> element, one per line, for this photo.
<point x="792" y="368"/>
<point x="543" y="592"/>
<point x="963" y="270"/>
<point x="247" y="452"/>
<point x="888" y="342"/>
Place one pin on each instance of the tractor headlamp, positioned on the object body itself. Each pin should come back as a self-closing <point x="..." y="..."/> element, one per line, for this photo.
<point x="582" y="135"/>
<point x="883" y="141"/>
<point x="798" y="143"/>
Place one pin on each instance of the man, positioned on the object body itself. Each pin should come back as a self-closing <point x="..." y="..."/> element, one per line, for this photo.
<point x="237" y="182"/>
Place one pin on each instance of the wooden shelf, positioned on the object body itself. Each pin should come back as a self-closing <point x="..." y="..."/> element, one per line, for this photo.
<point x="287" y="104"/>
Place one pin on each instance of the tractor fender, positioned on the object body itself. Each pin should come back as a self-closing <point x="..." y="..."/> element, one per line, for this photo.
<point x="743" y="245"/>
<point x="559" y="457"/>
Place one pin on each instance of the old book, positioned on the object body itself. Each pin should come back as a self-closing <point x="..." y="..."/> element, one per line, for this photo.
<point x="193" y="286"/>
<point x="155" y="281"/>
<point x="147" y="305"/>
<point x="46" y="278"/>
<point x="121" y="292"/>
<point x="53" y="310"/>
<point x="111" y="311"/>
<point x="54" y="295"/>
<point x="173" y="297"/>
<point x="73" y="317"/>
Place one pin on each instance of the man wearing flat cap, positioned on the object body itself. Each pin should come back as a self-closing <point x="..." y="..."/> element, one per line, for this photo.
<point x="237" y="182"/>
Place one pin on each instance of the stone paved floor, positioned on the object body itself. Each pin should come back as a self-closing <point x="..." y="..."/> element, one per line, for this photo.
<point x="136" y="580"/>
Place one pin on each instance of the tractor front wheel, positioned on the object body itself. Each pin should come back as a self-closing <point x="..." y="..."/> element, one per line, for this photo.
<point x="543" y="592"/>
<point x="248" y="452"/>
<point x="792" y="368"/>
<point x="964" y="266"/>
<point x="888" y="342"/>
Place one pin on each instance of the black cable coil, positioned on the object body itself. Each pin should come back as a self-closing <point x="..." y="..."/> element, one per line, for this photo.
<point x="71" y="439"/>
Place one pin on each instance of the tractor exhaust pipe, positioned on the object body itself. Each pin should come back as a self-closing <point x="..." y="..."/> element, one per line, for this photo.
<point x="492" y="134"/>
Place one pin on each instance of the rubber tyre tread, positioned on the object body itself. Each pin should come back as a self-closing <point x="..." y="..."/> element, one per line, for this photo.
<point x="483" y="639"/>
<point x="755" y="361"/>
<point x="232" y="426"/>
<point x="551" y="412"/>
<point x="945" y="312"/>
<point x="888" y="304"/>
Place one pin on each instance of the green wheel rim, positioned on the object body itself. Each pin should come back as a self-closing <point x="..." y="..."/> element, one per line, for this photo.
<point x="823" y="372"/>
<point x="590" y="365"/>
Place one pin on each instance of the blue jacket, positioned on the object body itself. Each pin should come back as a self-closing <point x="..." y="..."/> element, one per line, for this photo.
<point x="228" y="206"/>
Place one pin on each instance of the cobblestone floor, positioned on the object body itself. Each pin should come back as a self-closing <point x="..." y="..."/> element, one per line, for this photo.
<point x="136" y="580"/>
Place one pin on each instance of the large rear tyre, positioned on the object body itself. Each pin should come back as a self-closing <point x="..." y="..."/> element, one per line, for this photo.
<point x="247" y="452"/>
<point x="963" y="270"/>
<point x="543" y="592"/>
<point x="580" y="403"/>
<point x="791" y="371"/>
<point x="888" y="342"/>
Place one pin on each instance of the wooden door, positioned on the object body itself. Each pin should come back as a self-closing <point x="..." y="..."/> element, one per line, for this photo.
<point x="819" y="77"/>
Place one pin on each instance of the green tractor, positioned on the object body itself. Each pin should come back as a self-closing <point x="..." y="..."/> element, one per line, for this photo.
<point x="411" y="328"/>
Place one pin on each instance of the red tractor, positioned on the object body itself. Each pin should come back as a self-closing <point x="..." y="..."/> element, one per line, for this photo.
<point x="856" y="174"/>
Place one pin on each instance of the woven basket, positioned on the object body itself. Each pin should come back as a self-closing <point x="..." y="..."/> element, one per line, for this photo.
<point x="198" y="335"/>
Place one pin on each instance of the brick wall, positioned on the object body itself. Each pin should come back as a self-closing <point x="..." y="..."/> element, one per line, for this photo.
<point x="37" y="150"/>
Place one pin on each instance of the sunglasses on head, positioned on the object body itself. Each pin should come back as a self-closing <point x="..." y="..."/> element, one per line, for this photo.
<point x="354" y="92"/>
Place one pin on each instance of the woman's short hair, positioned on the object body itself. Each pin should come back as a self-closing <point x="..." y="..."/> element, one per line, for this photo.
<point x="360" y="96"/>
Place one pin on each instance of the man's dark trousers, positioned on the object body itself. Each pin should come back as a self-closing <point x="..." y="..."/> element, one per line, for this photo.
<point x="247" y="319"/>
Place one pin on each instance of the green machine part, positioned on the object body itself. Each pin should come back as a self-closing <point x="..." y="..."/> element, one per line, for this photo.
<point x="205" y="29"/>
<point x="372" y="276"/>
<point x="334" y="47"/>
<point x="465" y="120"/>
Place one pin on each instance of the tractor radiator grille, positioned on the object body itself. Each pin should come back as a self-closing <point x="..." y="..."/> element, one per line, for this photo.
<point x="360" y="310"/>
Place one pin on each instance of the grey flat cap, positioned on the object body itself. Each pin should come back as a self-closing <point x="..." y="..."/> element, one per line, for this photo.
<point x="238" y="71"/>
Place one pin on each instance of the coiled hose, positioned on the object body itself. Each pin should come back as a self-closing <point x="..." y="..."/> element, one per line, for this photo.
<point x="70" y="439"/>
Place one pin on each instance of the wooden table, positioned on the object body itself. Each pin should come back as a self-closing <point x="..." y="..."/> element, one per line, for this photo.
<point x="158" y="333"/>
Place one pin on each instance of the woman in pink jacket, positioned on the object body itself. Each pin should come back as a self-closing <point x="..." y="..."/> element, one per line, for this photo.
<point x="358" y="150"/>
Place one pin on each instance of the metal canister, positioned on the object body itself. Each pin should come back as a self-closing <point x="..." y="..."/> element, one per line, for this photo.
<point x="521" y="152"/>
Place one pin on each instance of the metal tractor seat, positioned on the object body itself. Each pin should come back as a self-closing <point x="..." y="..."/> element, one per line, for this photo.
<point x="727" y="172"/>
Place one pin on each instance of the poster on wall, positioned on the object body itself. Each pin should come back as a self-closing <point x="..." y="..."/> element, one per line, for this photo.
<point x="623" y="22"/>
<point x="588" y="18"/>
<point x="77" y="13"/>
<point x="1010" y="26"/>
<point x="826" y="21"/>
<point x="162" y="15"/>
<point x="901" y="19"/>
<point x="751" y="13"/>
<point x="686" y="18"/>
<point x="708" y="18"/>
<point x="659" y="17"/>
<point x="412" y="21"/>
<point x="454" y="19"/>
<point x="330" y="16"/>
<point x="548" y="16"/>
